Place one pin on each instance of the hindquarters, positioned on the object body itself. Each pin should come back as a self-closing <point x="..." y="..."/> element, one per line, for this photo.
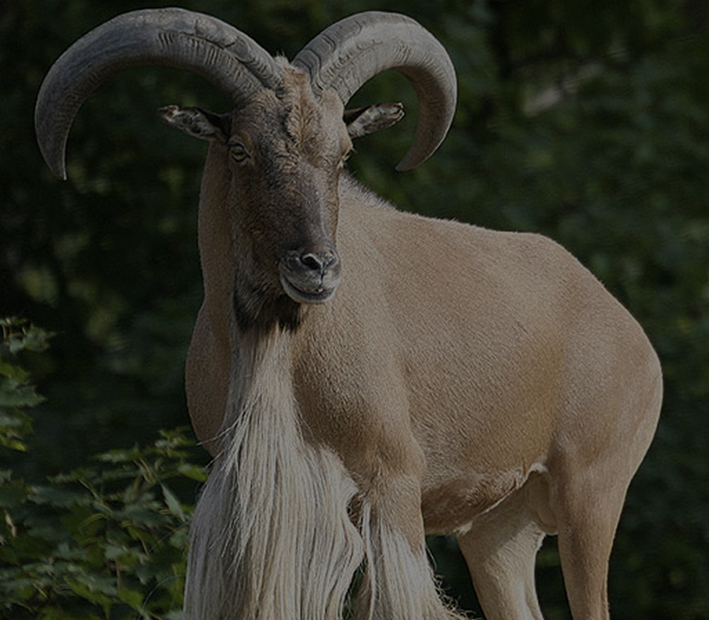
<point x="583" y="404"/>
<point x="601" y="437"/>
<point x="593" y="460"/>
<point x="579" y="496"/>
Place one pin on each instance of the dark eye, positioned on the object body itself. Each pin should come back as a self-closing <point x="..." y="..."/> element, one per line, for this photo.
<point x="238" y="152"/>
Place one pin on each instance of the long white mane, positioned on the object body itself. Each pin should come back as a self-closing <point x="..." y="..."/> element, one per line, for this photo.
<point x="271" y="536"/>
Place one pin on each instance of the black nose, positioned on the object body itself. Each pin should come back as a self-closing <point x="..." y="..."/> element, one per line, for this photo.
<point x="313" y="262"/>
<point x="318" y="261"/>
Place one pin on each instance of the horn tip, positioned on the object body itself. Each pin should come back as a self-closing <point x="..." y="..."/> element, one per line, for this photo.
<point x="57" y="165"/>
<point x="409" y="163"/>
<point x="60" y="173"/>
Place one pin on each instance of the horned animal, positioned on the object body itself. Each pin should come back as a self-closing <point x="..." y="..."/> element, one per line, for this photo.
<point x="364" y="376"/>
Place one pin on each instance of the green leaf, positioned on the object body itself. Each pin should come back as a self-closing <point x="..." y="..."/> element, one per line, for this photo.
<point x="13" y="371"/>
<point x="195" y="472"/>
<point x="14" y="394"/>
<point x="58" y="497"/>
<point x="13" y="444"/>
<point x="173" y="504"/>
<point x="132" y="598"/>
<point x="94" y="588"/>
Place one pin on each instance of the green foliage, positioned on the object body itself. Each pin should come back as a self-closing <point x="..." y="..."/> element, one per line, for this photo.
<point x="104" y="541"/>
<point x="16" y="392"/>
<point x="586" y="121"/>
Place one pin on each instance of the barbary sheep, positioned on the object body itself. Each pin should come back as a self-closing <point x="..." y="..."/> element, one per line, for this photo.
<point x="364" y="376"/>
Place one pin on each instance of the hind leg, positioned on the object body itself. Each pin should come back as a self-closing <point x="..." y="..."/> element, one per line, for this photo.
<point x="587" y="525"/>
<point x="588" y="485"/>
<point x="500" y="550"/>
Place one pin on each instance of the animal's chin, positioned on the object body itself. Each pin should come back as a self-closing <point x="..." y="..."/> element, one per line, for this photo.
<point x="301" y="294"/>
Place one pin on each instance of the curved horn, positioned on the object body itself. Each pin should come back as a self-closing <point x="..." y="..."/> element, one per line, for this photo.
<point x="174" y="37"/>
<point x="350" y="52"/>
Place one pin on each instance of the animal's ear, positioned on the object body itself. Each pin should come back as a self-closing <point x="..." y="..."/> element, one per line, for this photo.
<point x="363" y="121"/>
<point x="196" y="122"/>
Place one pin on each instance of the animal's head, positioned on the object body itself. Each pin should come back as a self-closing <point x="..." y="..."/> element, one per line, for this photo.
<point x="284" y="144"/>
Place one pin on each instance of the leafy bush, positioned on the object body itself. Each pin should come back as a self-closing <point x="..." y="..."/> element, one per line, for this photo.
<point x="105" y="541"/>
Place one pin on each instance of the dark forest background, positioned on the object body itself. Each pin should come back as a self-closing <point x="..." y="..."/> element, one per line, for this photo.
<point x="586" y="121"/>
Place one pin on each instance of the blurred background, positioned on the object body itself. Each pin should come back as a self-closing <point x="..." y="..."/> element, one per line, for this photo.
<point x="585" y="121"/>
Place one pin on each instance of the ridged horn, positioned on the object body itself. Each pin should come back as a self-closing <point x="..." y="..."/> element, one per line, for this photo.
<point x="350" y="52"/>
<point x="174" y="37"/>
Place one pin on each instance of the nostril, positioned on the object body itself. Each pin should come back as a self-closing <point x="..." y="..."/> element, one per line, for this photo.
<point x="319" y="261"/>
<point x="329" y="259"/>
<point x="313" y="261"/>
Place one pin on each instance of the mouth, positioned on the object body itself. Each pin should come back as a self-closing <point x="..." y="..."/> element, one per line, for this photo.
<point x="300" y="294"/>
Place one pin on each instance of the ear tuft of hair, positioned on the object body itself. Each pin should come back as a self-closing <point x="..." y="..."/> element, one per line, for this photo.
<point x="363" y="121"/>
<point x="194" y="122"/>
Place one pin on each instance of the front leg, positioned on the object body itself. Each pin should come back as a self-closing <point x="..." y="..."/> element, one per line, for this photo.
<point x="399" y="583"/>
<point x="358" y="407"/>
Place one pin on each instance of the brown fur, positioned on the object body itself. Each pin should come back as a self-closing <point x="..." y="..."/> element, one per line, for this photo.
<point x="470" y="382"/>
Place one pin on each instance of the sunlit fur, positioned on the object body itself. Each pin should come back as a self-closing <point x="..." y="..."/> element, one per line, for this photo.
<point x="463" y="381"/>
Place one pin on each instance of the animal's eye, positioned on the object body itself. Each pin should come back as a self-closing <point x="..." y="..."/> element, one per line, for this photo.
<point x="238" y="151"/>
